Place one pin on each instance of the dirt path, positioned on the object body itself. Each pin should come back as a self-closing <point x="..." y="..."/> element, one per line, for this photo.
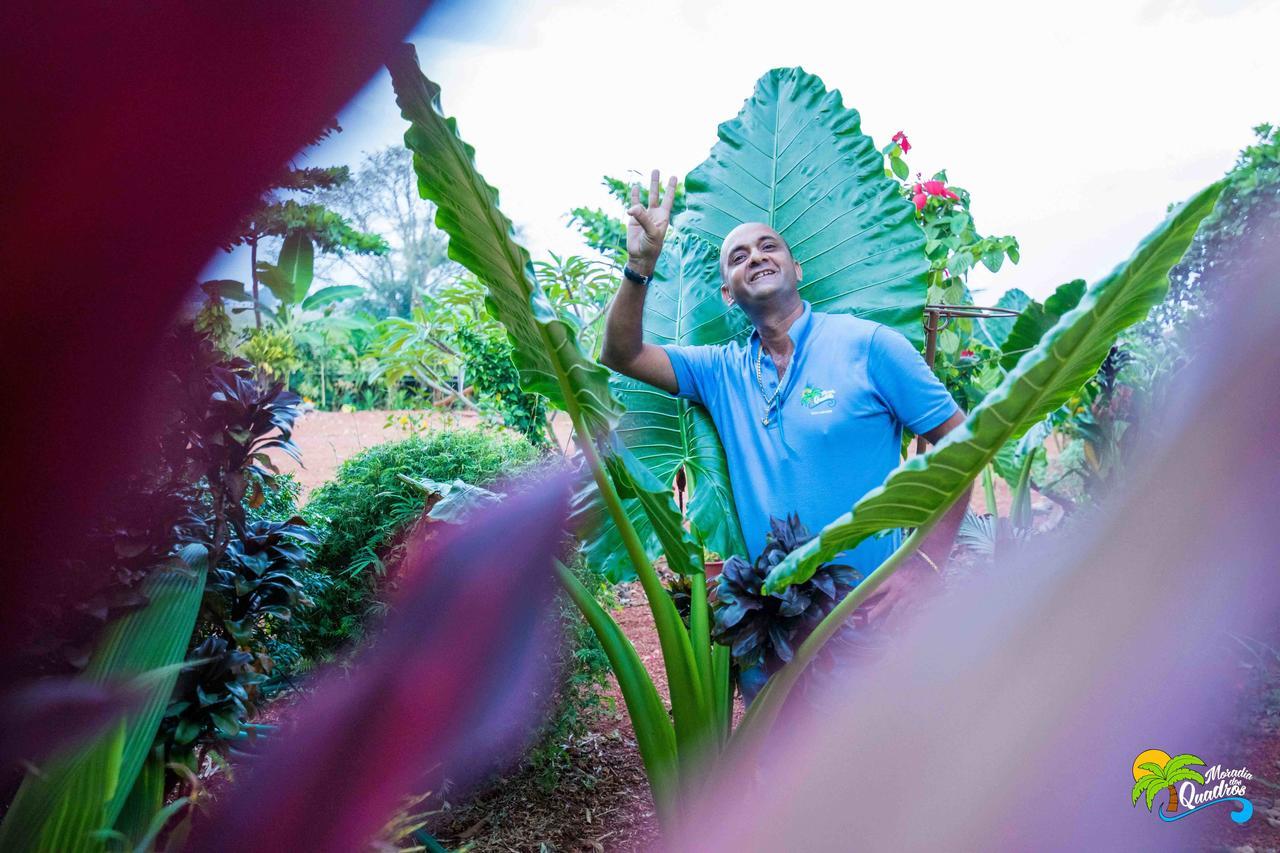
<point x="326" y="439"/>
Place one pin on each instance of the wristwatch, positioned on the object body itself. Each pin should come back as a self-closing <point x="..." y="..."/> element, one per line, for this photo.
<point x="631" y="275"/>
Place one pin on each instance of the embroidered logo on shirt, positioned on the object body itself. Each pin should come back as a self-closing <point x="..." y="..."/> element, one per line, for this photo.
<point x="817" y="400"/>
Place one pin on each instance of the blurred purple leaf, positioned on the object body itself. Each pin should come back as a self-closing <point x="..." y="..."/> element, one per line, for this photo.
<point x="455" y="678"/>
<point x="39" y="718"/>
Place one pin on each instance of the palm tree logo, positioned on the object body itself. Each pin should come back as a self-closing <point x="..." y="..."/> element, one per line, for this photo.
<point x="1154" y="770"/>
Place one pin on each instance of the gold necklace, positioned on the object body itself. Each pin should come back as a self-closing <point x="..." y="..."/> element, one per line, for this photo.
<point x="768" y="400"/>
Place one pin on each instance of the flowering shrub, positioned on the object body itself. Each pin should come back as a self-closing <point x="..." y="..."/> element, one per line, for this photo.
<point x="952" y="242"/>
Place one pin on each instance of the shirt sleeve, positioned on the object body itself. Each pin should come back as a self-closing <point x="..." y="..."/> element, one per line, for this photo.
<point x="693" y="367"/>
<point x="917" y="398"/>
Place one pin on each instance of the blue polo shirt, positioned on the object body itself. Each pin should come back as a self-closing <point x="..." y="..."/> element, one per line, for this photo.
<point x="833" y="433"/>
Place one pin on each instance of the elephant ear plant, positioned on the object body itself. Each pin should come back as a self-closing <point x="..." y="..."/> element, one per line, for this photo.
<point x="824" y="188"/>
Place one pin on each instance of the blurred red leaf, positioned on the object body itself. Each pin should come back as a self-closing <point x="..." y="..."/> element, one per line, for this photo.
<point x="133" y="140"/>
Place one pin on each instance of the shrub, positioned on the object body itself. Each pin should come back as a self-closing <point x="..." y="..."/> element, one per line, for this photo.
<point x="363" y="512"/>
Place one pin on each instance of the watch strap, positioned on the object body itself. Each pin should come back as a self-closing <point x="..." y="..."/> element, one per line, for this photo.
<point x="631" y="275"/>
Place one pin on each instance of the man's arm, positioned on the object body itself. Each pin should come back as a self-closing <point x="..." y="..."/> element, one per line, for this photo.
<point x="623" y="348"/>
<point x="935" y="435"/>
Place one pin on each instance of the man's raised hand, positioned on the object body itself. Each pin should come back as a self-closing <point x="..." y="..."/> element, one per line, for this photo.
<point x="647" y="226"/>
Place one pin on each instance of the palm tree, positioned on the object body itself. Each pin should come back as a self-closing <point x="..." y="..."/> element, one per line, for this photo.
<point x="1175" y="770"/>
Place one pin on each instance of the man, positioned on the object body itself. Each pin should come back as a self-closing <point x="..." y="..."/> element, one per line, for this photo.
<point x="810" y="409"/>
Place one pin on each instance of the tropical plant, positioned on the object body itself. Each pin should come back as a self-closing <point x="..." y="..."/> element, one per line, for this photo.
<point x="496" y="383"/>
<point x="862" y="250"/>
<point x="1157" y="778"/>
<point x="411" y="354"/>
<point x="223" y="421"/>
<point x="256" y="576"/>
<point x="580" y="289"/>
<point x="952" y="242"/>
<point x="763" y="630"/>
<point x="303" y="226"/>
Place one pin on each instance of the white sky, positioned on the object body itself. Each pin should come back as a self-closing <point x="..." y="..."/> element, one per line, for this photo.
<point x="1073" y="125"/>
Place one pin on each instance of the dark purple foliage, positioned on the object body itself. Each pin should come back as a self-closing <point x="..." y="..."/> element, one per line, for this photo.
<point x="767" y="629"/>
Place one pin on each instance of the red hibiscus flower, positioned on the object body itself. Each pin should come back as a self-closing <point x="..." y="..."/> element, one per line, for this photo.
<point x="966" y="353"/>
<point x="901" y="138"/>
<point x="918" y="196"/>
<point x="938" y="188"/>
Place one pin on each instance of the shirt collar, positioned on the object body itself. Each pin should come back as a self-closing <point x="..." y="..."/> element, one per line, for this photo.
<point x="799" y="330"/>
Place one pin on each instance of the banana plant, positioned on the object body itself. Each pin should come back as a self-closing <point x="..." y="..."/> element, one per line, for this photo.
<point x="861" y="251"/>
<point x="290" y="278"/>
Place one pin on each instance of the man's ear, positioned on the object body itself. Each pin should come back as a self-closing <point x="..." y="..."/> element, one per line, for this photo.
<point x="725" y="294"/>
<point x="799" y="273"/>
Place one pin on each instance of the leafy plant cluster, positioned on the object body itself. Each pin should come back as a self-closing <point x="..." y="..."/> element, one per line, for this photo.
<point x="497" y="383"/>
<point x="413" y="333"/>
<point x="763" y="630"/>
<point x="205" y="579"/>
<point x="252" y="584"/>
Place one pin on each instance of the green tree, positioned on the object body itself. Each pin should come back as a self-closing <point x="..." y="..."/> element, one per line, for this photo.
<point x="382" y="197"/>
<point x="280" y="216"/>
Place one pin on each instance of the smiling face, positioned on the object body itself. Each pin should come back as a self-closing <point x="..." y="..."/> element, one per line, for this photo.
<point x="756" y="268"/>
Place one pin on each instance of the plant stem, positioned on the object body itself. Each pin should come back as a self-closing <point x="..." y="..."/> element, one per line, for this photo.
<point x="253" y="277"/>
<point x="989" y="491"/>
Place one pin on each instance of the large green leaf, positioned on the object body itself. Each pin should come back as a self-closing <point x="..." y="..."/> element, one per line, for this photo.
<point x="297" y="264"/>
<point x="1036" y="319"/>
<point x="796" y="159"/>
<point x="651" y="509"/>
<point x="666" y="433"/>
<point x="655" y="736"/>
<point x="76" y="794"/>
<point x="546" y="349"/>
<point x="333" y="293"/>
<point x="920" y="490"/>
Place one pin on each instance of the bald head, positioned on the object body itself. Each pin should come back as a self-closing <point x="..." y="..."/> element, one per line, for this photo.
<point x="757" y="271"/>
